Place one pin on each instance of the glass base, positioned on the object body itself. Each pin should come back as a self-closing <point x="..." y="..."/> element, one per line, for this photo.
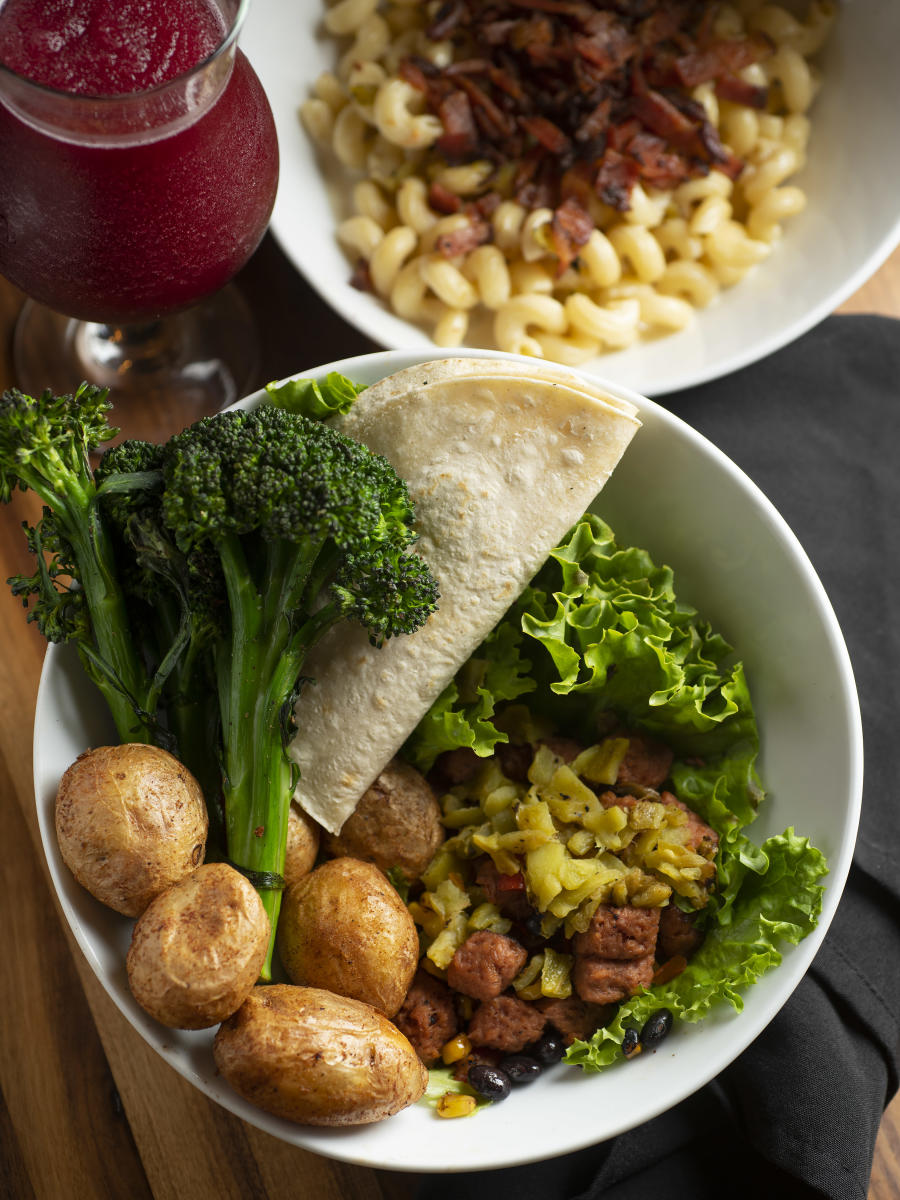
<point x="162" y="375"/>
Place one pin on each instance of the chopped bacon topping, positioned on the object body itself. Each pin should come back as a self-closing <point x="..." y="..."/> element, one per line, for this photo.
<point x="442" y="199"/>
<point x="570" y="229"/>
<point x="583" y="97"/>
<point x="461" y="241"/>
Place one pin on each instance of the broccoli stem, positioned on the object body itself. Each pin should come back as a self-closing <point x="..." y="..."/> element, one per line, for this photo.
<point x="115" y="667"/>
<point x="257" y="672"/>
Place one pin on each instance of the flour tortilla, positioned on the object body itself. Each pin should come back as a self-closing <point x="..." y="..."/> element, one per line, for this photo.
<point x="501" y="460"/>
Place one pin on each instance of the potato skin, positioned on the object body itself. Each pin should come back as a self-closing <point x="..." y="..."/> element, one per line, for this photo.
<point x="344" y="928"/>
<point x="198" y="948"/>
<point x="397" y="823"/>
<point x="130" y="821"/>
<point x="302" y="844"/>
<point x="316" y="1058"/>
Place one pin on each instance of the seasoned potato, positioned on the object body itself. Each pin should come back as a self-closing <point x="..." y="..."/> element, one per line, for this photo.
<point x="130" y="821"/>
<point x="198" y="948"/>
<point x="397" y="823"/>
<point x="344" y="928"/>
<point x="302" y="844"/>
<point x="319" y="1059"/>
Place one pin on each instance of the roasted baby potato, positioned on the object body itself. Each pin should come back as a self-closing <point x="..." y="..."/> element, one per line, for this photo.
<point x="397" y="823"/>
<point x="344" y="928"/>
<point x="302" y="845"/>
<point x="130" y="821"/>
<point x="198" y="948"/>
<point x="316" y="1058"/>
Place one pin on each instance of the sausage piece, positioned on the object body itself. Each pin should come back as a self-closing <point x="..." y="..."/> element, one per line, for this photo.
<point x="677" y="934"/>
<point x="647" y="762"/>
<point x="619" y="932"/>
<point x="427" y="1016"/>
<point x="573" y="1018"/>
<point x="512" y="901"/>
<point x="506" y="1023"/>
<point x="609" y="980"/>
<point x="485" y="964"/>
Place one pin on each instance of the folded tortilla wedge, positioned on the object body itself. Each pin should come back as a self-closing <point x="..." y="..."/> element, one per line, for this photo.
<point x="501" y="459"/>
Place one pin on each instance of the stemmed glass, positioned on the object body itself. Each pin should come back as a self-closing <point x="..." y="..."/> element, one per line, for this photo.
<point x="124" y="215"/>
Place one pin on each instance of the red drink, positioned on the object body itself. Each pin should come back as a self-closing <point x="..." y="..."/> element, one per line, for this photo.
<point x="122" y="211"/>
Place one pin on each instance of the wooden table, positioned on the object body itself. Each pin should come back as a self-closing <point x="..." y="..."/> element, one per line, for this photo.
<point x="87" y="1110"/>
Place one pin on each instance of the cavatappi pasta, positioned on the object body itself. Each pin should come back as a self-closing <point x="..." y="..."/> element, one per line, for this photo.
<point x="642" y="270"/>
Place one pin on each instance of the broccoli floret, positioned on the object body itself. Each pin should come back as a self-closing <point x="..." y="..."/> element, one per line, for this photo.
<point x="310" y="528"/>
<point x="176" y="603"/>
<point x="45" y="446"/>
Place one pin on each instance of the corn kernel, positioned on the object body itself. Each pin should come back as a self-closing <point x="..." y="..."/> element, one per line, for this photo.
<point x="457" y="1048"/>
<point x="455" y="1104"/>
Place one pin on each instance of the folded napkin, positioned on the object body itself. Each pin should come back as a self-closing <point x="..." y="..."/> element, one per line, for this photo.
<point x="817" y="427"/>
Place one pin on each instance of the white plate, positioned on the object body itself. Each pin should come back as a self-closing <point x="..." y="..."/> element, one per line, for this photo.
<point x="850" y="226"/>
<point x="678" y="496"/>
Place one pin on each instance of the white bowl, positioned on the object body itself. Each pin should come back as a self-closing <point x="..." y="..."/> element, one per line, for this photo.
<point x="735" y="559"/>
<point x="850" y="226"/>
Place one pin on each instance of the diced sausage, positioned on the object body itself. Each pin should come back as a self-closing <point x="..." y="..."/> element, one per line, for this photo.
<point x="485" y="964"/>
<point x="677" y="934"/>
<point x="618" y="932"/>
<point x="647" y="762"/>
<point x="456" y="766"/>
<point x="563" y="747"/>
<point x="573" y="1018"/>
<point x="427" y="1016"/>
<point x="502" y="890"/>
<point x="610" y="980"/>
<point x="514" y="760"/>
<point x="506" y="1023"/>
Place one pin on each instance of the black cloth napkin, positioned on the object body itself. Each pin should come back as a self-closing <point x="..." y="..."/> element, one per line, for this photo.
<point x="817" y="427"/>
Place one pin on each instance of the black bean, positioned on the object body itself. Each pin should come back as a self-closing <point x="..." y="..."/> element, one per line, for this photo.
<point x="549" y="1048"/>
<point x="489" y="1081"/>
<point x="631" y="1043"/>
<point x="656" y="1028"/>
<point x="521" y="1068"/>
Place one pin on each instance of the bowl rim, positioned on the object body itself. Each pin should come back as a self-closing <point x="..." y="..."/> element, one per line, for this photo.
<point x="339" y="1143"/>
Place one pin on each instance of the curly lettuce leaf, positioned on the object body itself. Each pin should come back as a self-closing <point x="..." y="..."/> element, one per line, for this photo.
<point x="776" y="897"/>
<point x="600" y="628"/>
<point x="463" y="714"/>
<point x="318" y="399"/>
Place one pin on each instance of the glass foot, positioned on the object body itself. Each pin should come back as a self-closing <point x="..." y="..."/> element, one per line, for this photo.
<point x="162" y="375"/>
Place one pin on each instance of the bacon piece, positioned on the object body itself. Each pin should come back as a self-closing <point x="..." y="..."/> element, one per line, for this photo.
<point x="662" y="117"/>
<point x="461" y="241"/>
<point x="442" y="199"/>
<point x="606" y="43"/>
<point x="361" y="278"/>
<point x="468" y="66"/>
<point x="616" y="177"/>
<point x="460" y="137"/>
<point x="570" y="228"/>
<point x="485" y="108"/>
<point x="725" y="56"/>
<point x="659" y="167"/>
<point x="548" y="134"/>
<point x="446" y="20"/>
<point x="738" y="91"/>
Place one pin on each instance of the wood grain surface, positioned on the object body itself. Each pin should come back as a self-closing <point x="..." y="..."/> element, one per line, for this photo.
<point x="87" y="1110"/>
